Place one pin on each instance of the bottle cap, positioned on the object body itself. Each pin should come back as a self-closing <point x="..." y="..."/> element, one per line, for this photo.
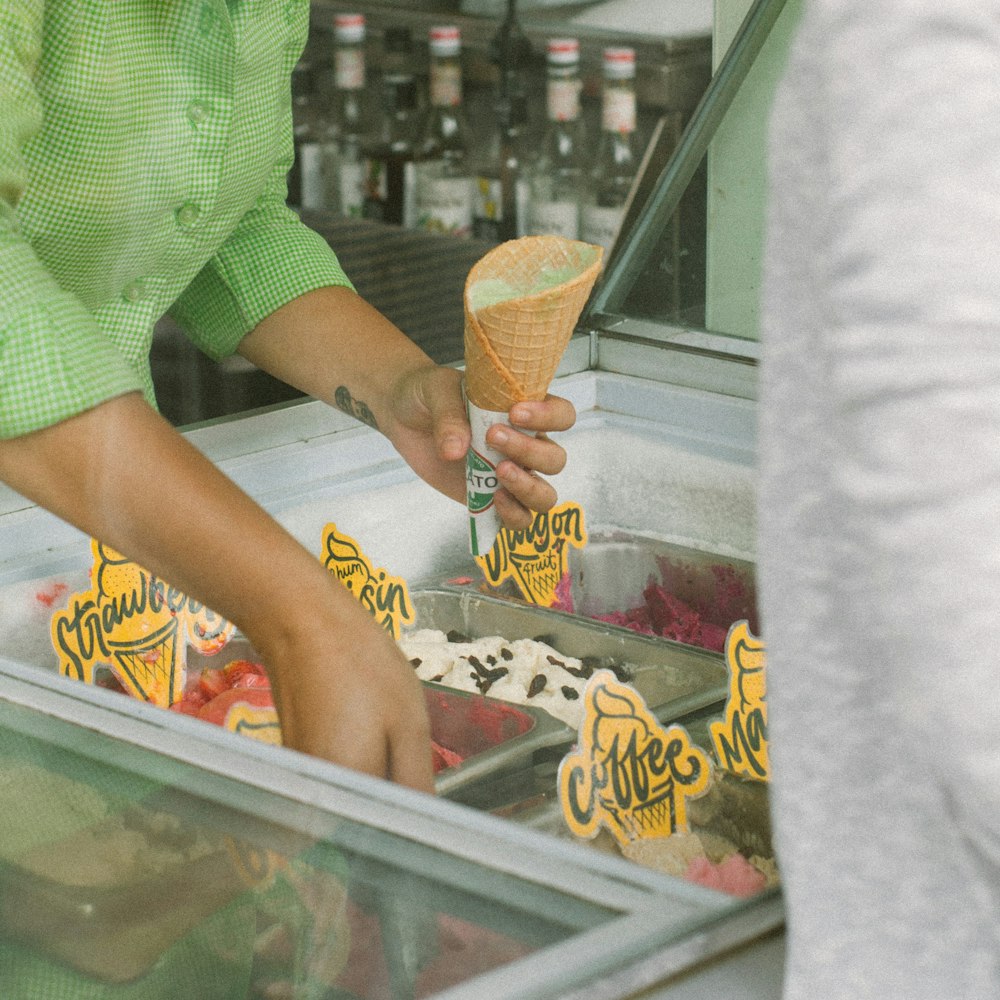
<point x="445" y="41"/>
<point x="619" y="63"/>
<point x="349" y="27"/>
<point x="563" y="51"/>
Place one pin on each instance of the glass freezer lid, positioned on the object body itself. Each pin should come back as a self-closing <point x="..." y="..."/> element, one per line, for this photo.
<point x="685" y="269"/>
<point x="165" y="847"/>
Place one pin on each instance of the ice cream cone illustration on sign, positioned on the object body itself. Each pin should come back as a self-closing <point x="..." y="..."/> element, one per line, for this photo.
<point x="522" y="301"/>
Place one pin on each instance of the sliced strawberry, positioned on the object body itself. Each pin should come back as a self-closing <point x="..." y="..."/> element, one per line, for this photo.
<point x="190" y="703"/>
<point x="246" y="673"/>
<point x="212" y="682"/>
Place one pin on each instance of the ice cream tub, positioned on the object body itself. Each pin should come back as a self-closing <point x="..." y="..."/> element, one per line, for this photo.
<point x="672" y="679"/>
<point x="727" y="846"/>
<point x="651" y="587"/>
<point x="466" y="626"/>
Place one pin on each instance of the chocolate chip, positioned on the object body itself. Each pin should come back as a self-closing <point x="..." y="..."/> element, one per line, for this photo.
<point x="537" y="685"/>
<point x="582" y="671"/>
<point x="475" y="662"/>
<point x="621" y="672"/>
<point x="453" y="635"/>
<point x="440" y="677"/>
<point x="571" y="694"/>
<point x="555" y="662"/>
<point x="506" y="654"/>
<point x="491" y="660"/>
<point x="415" y="662"/>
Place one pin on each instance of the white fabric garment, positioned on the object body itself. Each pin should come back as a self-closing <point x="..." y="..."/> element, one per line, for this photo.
<point x="879" y="551"/>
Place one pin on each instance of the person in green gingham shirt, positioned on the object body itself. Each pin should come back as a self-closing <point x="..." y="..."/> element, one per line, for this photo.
<point x="143" y="153"/>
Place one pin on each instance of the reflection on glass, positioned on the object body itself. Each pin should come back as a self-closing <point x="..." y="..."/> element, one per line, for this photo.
<point x="123" y="874"/>
<point x="694" y="233"/>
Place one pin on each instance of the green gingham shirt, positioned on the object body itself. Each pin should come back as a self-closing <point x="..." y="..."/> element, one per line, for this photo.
<point x="144" y="146"/>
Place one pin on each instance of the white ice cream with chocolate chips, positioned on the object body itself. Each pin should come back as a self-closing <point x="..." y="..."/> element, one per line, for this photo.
<point x="522" y="671"/>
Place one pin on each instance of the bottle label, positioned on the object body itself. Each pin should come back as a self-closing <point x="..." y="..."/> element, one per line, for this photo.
<point x="563" y="100"/>
<point x="489" y="199"/>
<point x="376" y="189"/>
<point x="556" y="218"/>
<point x="618" y="110"/>
<point x="349" y="69"/>
<point x="601" y="225"/>
<point x="446" y="85"/>
<point x="445" y="203"/>
<point x="351" y="187"/>
<point x="311" y="176"/>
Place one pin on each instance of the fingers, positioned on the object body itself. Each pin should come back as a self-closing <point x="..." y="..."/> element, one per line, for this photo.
<point x="536" y="453"/>
<point x="550" y="414"/>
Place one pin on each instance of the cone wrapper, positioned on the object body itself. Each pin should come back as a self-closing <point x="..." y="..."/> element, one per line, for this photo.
<point x="522" y="302"/>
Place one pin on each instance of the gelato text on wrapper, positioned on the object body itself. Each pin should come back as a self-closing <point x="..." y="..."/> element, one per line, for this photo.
<point x="522" y="302"/>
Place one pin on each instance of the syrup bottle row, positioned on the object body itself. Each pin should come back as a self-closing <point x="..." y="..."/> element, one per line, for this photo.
<point x="399" y="164"/>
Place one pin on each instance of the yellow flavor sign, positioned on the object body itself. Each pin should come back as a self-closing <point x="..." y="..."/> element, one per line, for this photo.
<point x="628" y="773"/>
<point x="536" y="558"/>
<point x="136" y="625"/>
<point x="256" y="721"/>
<point x="385" y="597"/>
<point x="740" y="740"/>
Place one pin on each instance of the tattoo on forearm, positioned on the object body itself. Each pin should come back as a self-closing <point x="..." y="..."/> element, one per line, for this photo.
<point x="354" y="407"/>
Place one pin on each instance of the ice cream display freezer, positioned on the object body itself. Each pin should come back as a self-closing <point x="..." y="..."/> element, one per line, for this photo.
<point x="147" y="854"/>
<point x="136" y="838"/>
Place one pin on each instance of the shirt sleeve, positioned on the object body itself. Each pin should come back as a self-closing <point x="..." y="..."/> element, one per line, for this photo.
<point x="270" y="258"/>
<point x="55" y="361"/>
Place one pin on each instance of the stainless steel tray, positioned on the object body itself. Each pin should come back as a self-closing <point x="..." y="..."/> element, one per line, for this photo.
<point x="610" y="573"/>
<point x="673" y="679"/>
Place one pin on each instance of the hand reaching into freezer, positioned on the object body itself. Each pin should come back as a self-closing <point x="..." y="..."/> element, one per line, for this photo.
<point x="430" y="430"/>
<point x="120" y="473"/>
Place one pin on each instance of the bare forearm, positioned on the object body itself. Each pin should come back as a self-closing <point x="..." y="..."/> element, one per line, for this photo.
<point x="334" y="346"/>
<point x="120" y="473"/>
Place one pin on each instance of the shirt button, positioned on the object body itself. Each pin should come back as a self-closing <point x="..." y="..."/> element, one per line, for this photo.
<point x="187" y="214"/>
<point x="198" y="112"/>
<point x="134" y="292"/>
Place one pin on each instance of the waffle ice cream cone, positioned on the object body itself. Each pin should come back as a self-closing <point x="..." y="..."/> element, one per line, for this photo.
<point x="522" y="301"/>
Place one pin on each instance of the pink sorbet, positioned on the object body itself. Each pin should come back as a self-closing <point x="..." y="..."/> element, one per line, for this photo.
<point x="735" y="875"/>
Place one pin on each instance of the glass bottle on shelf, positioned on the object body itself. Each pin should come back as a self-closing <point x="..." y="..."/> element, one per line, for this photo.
<point x="443" y="177"/>
<point x="500" y="196"/>
<point x="558" y="176"/>
<point x="305" y="178"/>
<point x="389" y="176"/>
<point x="345" y="165"/>
<point x="614" y="169"/>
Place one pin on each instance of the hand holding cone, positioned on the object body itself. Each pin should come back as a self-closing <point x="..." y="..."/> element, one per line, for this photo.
<point x="522" y="302"/>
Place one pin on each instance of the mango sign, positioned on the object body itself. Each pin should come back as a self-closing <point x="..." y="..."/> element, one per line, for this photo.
<point x="740" y="740"/>
<point x="135" y="624"/>
<point x="537" y="558"/>
<point x="628" y="773"/>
